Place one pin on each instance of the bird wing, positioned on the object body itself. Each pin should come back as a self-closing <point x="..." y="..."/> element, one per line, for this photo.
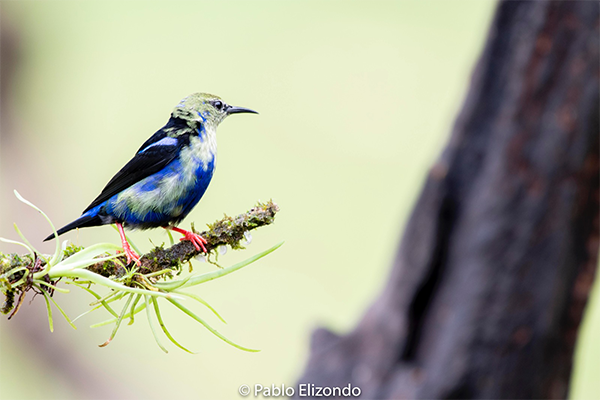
<point x="154" y="155"/>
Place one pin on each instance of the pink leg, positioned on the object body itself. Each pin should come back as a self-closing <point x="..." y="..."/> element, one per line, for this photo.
<point x="197" y="240"/>
<point x="131" y="255"/>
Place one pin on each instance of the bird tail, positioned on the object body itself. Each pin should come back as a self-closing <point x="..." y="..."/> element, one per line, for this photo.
<point x="81" y="222"/>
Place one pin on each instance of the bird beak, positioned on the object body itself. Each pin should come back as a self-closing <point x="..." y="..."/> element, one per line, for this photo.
<point x="238" y="110"/>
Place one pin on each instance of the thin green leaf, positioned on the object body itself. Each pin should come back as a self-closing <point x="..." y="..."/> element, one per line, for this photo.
<point x="198" y="279"/>
<point x="12" y="272"/>
<point x="87" y="257"/>
<point x="201" y="301"/>
<point x="171" y="285"/>
<point x="50" y="321"/>
<point x="118" y="297"/>
<point x="207" y="326"/>
<point x="101" y="280"/>
<point x="87" y="312"/>
<point x="27" y="242"/>
<point x="171" y="240"/>
<point x="97" y="296"/>
<point x="137" y="299"/>
<point x="29" y="249"/>
<point x="164" y="328"/>
<point x="57" y="254"/>
<point x="113" y="295"/>
<point x="64" y="314"/>
<point x="61" y="290"/>
<point x="147" y="306"/>
<point x="113" y="320"/>
<point x="118" y="323"/>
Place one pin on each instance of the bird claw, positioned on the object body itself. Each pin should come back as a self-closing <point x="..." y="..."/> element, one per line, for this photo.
<point x="197" y="240"/>
<point x="131" y="255"/>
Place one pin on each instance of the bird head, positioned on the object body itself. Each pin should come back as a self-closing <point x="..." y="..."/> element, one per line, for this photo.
<point x="207" y="109"/>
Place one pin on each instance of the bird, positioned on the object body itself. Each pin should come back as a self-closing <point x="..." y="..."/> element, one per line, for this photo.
<point x="166" y="177"/>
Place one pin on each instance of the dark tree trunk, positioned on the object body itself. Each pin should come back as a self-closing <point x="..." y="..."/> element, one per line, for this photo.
<point x="492" y="276"/>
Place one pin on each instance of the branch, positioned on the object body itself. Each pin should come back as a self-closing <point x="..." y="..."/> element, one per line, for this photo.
<point x="18" y="272"/>
<point x="227" y="231"/>
<point x="99" y="265"/>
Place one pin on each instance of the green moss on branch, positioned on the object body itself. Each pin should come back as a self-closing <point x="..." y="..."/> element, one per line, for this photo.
<point x="229" y="231"/>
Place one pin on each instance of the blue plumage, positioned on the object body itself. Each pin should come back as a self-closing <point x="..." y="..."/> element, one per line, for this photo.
<point x="162" y="209"/>
<point x="168" y="175"/>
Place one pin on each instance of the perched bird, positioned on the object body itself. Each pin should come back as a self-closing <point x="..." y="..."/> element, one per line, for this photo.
<point x="167" y="176"/>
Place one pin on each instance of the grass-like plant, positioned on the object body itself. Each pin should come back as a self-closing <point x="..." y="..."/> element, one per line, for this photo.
<point x="159" y="278"/>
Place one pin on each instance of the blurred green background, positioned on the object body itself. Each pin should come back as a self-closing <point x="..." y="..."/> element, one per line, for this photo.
<point x="356" y="99"/>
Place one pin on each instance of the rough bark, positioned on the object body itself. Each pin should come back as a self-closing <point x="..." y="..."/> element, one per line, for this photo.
<point x="491" y="278"/>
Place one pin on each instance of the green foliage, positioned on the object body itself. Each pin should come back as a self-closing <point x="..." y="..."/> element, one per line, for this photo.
<point x="101" y="266"/>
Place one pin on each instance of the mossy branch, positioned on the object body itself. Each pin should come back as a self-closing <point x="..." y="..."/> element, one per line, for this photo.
<point x="225" y="232"/>
<point x="229" y="231"/>
<point x="102" y="265"/>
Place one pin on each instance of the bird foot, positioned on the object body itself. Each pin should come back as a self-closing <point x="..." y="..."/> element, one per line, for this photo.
<point x="129" y="253"/>
<point x="197" y="240"/>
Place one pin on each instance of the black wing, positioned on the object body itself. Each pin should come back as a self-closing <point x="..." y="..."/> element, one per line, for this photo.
<point x="150" y="158"/>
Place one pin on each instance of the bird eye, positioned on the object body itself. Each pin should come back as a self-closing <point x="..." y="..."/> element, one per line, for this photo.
<point x="218" y="105"/>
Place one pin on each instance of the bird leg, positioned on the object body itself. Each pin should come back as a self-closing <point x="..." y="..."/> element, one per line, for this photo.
<point x="197" y="240"/>
<point x="131" y="255"/>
